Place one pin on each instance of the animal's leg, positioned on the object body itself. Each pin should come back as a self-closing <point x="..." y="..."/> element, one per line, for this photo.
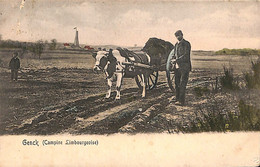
<point x="109" y="83"/>
<point x="143" y="84"/>
<point x="118" y="85"/>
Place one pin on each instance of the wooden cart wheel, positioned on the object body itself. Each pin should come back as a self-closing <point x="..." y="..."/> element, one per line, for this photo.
<point x="152" y="80"/>
<point x="170" y="72"/>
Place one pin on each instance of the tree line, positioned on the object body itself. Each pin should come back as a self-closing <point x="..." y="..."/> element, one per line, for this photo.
<point x="241" y="52"/>
<point x="36" y="48"/>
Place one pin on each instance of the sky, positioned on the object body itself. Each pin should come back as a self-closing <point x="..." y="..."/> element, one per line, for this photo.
<point x="208" y="25"/>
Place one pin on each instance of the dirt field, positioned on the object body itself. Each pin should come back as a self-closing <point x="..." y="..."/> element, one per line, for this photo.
<point x="60" y="94"/>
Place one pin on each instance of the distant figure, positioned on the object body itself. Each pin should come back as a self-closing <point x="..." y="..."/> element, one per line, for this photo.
<point x="182" y="62"/>
<point x="14" y="65"/>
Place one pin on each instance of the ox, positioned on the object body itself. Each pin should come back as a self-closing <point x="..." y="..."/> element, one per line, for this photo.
<point x="112" y="64"/>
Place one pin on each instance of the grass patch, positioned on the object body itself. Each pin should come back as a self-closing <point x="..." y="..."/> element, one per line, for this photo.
<point x="227" y="81"/>
<point x="248" y="119"/>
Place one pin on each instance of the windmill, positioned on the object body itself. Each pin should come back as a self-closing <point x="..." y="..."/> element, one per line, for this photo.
<point x="76" y="41"/>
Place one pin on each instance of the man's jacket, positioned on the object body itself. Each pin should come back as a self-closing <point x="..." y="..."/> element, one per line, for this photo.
<point x="14" y="63"/>
<point x="182" y="51"/>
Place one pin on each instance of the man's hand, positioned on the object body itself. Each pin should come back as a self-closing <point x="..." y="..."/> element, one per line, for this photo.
<point x="173" y="64"/>
<point x="173" y="61"/>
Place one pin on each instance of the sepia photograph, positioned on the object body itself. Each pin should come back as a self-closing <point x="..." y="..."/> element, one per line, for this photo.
<point x="93" y="73"/>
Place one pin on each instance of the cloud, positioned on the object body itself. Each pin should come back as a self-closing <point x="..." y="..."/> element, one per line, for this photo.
<point x="134" y="18"/>
<point x="206" y="25"/>
<point x="239" y="22"/>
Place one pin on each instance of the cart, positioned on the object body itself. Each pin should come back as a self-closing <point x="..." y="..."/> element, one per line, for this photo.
<point x="154" y="74"/>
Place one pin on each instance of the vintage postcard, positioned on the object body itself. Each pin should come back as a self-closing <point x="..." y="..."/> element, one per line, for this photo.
<point x="129" y="83"/>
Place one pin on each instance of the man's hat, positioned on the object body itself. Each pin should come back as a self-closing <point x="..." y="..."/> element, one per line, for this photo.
<point x="179" y="32"/>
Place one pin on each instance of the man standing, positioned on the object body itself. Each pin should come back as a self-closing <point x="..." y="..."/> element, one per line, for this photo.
<point x="14" y="66"/>
<point x="182" y="62"/>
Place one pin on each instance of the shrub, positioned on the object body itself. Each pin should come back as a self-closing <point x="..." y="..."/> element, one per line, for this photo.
<point x="200" y="91"/>
<point x="53" y="44"/>
<point x="253" y="79"/>
<point x="249" y="118"/>
<point x="36" y="48"/>
<point x="1" y="62"/>
<point x="227" y="81"/>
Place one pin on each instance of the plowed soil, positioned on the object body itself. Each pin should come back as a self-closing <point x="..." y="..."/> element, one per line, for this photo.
<point x="62" y="99"/>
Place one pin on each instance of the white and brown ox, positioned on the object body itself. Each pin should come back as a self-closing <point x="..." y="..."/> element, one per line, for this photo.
<point x="112" y="63"/>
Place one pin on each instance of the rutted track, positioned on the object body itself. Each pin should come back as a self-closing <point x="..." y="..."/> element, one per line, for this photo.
<point x="97" y="115"/>
<point x="94" y="114"/>
<point x="87" y="112"/>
